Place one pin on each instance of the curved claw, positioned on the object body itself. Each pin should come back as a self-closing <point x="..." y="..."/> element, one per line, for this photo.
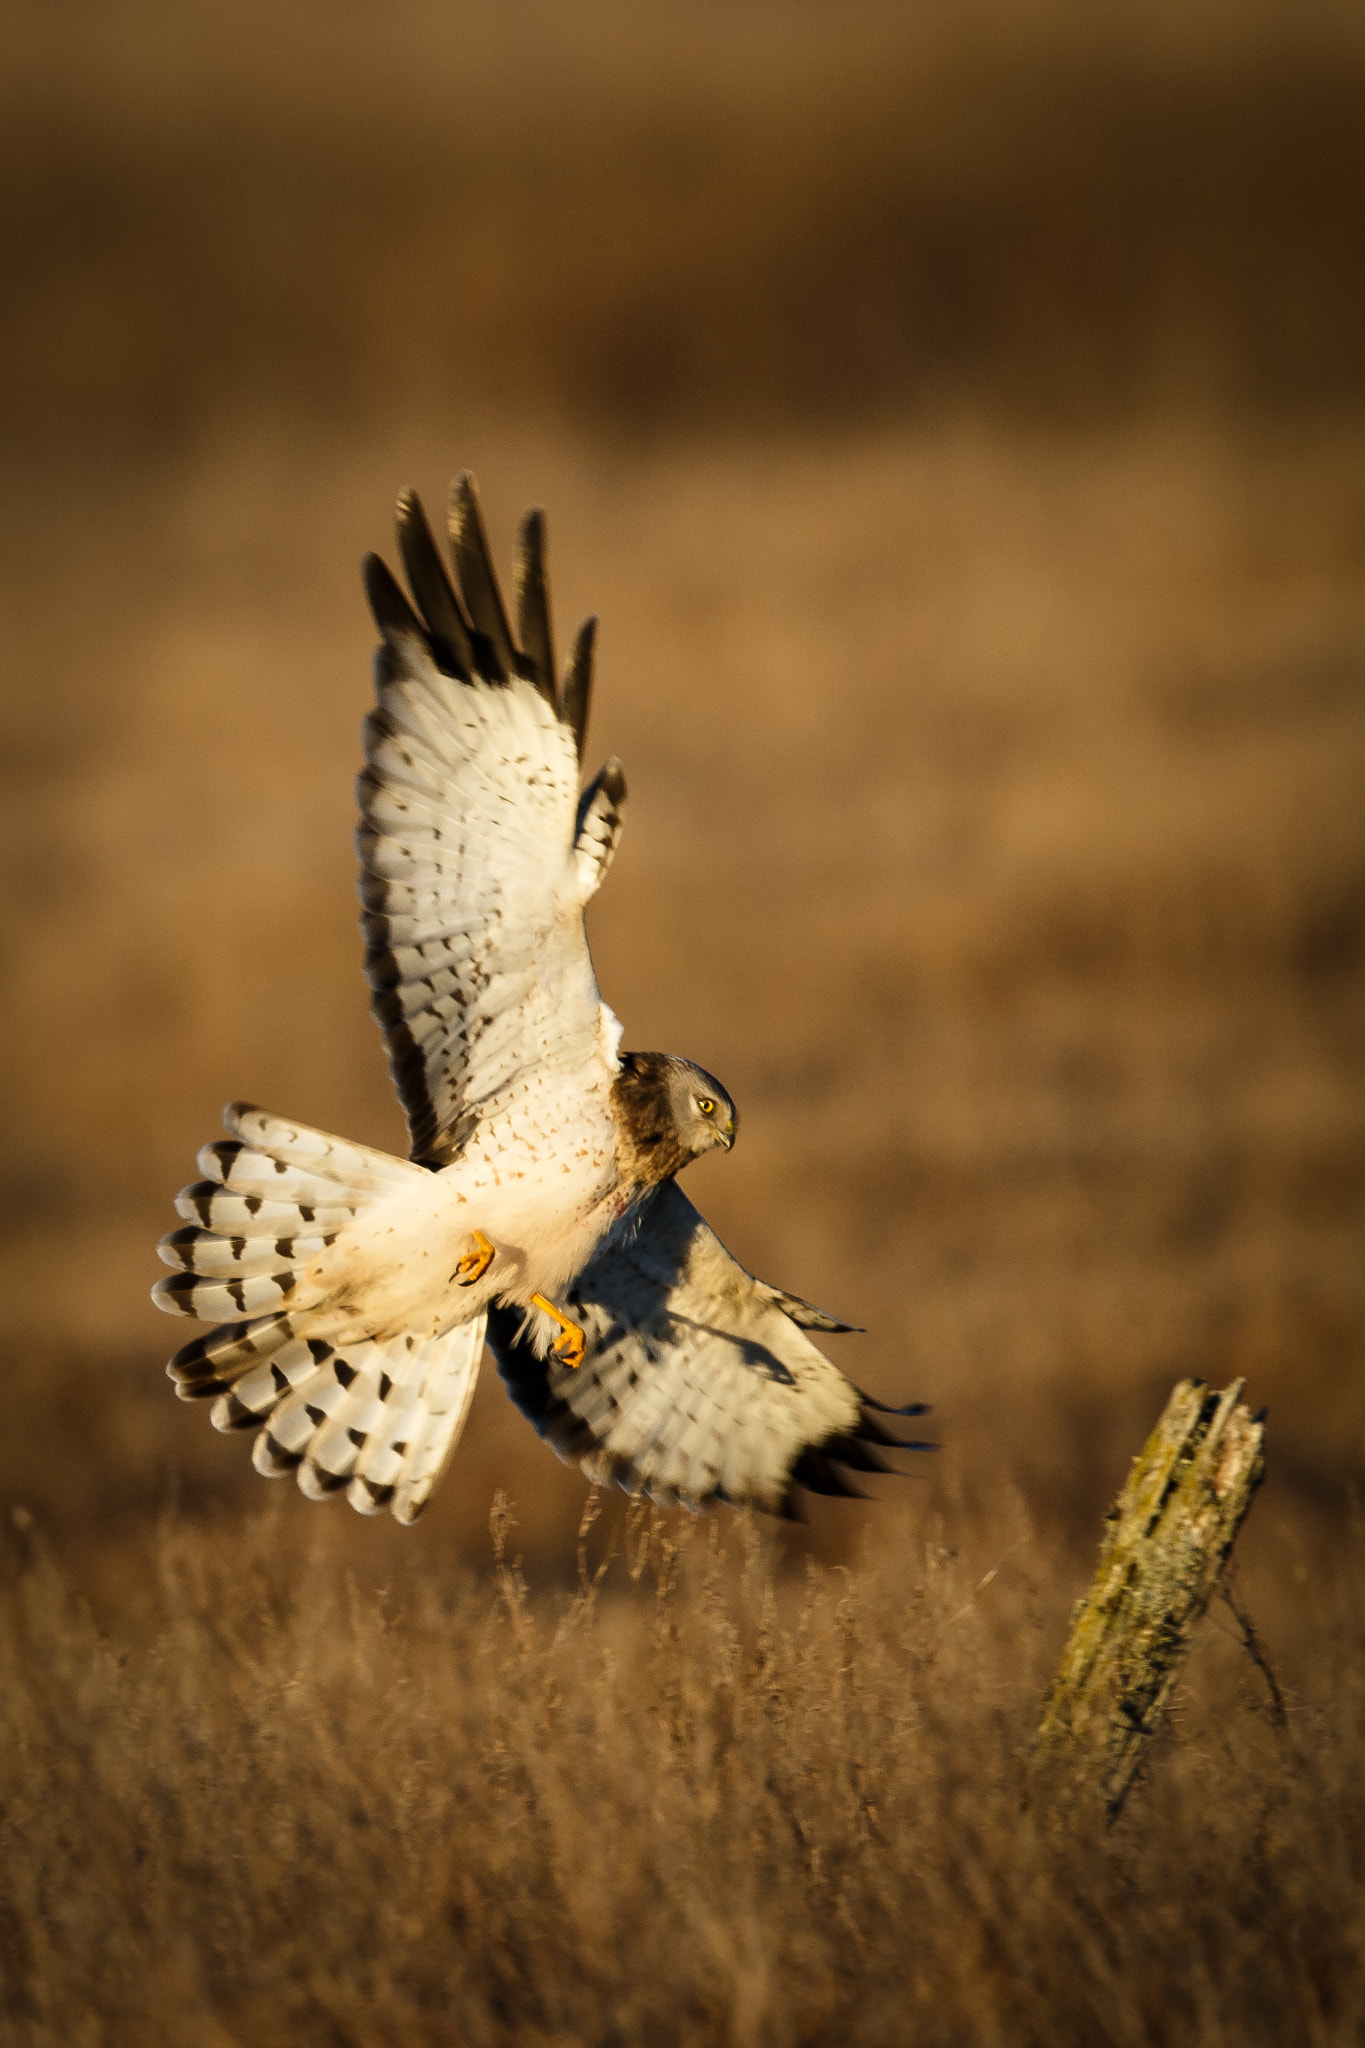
<point x="475" y="1264"/>
<point x="570" y="1346"/>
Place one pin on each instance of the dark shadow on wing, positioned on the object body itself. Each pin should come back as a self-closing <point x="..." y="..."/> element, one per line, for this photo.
<point x="632" y="1301"/>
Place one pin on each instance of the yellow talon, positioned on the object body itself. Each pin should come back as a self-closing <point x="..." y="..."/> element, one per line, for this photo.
<point x="570" y="1346"/>
<point x="475" y="1264"/>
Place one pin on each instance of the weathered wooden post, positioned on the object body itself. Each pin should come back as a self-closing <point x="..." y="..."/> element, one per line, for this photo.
<point x="1169" y="1535"/>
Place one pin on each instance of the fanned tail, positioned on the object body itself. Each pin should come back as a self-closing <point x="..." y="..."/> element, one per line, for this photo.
<point x="377" y="1419"/>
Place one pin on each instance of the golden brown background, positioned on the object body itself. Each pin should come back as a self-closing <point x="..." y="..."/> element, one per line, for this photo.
<point x="956" y="413"/>
<point x="957" y="416"/>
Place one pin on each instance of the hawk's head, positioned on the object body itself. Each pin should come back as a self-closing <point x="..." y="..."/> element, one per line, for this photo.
<point x="702" y="1111"/>
<point x="669" y="1112"/>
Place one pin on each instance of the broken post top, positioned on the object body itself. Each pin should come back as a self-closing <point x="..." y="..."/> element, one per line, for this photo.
<point x="1168" y="1538"/>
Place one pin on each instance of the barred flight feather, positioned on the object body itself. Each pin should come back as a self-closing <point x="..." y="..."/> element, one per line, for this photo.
<point x="601" y="812"/>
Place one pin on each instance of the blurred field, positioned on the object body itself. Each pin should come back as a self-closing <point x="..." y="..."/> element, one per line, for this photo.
<point x="994" y="833"/>
<point x="654" y="211"/>
<point x="957" y="418"/>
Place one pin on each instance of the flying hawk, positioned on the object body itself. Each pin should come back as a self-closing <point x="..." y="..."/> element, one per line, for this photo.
<point x="353" y="1292"/>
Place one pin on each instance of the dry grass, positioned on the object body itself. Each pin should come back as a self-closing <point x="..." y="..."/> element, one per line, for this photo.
<point x="697" y="1799"/>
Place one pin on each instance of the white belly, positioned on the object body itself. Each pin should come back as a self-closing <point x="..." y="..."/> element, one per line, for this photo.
<point x="540" y="1189"/>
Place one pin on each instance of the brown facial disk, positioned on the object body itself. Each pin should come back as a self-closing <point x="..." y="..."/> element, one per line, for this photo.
<point x="668" y="1112"/>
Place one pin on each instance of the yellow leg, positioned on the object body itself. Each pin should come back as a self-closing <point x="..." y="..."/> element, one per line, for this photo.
<point x="570" y="1345"/>
<point x="475" y="1264"/>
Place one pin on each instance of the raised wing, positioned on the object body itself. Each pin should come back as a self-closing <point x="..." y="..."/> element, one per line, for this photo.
<point x="699" y="1382"/>
<point x="477" y="853"/>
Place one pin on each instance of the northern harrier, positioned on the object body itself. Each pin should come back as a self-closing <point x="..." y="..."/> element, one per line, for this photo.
<point x="354" y="1292"/>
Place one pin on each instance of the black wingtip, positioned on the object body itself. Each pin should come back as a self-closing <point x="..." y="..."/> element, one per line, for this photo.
<point x="870" y="1431"/>
<point x="534" y="630"/>
<point x="818" y="1472"/>
<point x="393" y="615"/>
<point x="430" y="585"/>
<point x="576" y="696"/>
<point x="856" y="1451"/>
<point x="807" y="1316"/>
<point x="478" y="580"/>
<point x="823" y="1467"/>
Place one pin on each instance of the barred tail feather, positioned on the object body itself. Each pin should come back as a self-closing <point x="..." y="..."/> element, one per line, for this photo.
<point x="274" y="1195"/>
<point x="335" y="1160"/>
<point x="447" y="1390"/>
<point x="272" y="1177"/>
<point x="196" y="1250"/>
<point x="375" y="1419"/>
<point x="209" y="1204"/>
<point x="378" y="1421"/>
<point x="184" y="1294"/>
<point x="212" y="1363"/>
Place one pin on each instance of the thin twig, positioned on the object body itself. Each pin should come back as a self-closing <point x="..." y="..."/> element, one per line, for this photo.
<point x="1251" y="1643"/>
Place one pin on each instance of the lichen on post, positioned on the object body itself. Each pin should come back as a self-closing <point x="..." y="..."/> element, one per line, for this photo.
<point x="1169" y="1536"/>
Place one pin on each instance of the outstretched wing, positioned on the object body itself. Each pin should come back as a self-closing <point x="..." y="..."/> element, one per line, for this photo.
<point x="699" y="1382"/>
<point x="477" y="852"/>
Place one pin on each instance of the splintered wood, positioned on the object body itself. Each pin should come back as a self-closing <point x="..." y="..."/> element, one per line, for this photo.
<point x="1169" y="1535"/>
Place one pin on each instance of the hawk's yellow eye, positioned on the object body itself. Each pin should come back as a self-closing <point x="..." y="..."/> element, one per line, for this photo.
<point x="705" y="1105"/>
